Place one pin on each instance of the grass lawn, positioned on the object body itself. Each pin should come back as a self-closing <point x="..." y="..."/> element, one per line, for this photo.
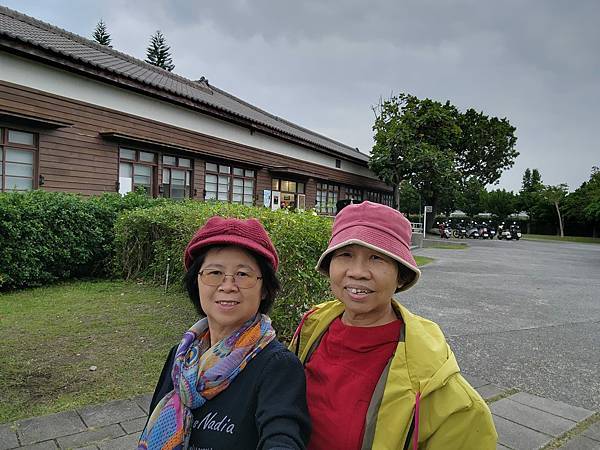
<point x="447" y="246"/>
<point x="422" y="260"/>
<point x="52" y="336"/>
<point x="545" y="237"/>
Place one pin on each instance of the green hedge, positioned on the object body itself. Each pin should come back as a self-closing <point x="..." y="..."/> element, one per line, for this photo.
<point x="148" y="240"/>
<point x="50" y="236"/>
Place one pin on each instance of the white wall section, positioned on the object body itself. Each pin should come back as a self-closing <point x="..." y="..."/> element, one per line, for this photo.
<point x="45" y="78"/>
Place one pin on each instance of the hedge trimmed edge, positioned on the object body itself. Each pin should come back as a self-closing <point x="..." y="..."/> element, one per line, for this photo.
<point x="150" y="239"/>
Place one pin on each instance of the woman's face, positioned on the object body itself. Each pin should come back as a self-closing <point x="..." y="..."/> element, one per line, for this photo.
<point x="228" y="306"/>
<point x="364" y="280"/>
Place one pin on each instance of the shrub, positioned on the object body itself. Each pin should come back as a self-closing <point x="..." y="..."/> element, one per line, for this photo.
<point x="49" y="236"/>
<point x="147" y="240"/>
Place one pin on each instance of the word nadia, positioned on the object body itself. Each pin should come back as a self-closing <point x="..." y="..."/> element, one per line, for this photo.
<point x="209" y="422"/>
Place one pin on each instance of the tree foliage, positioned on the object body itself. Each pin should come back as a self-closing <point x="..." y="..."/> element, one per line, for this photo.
<point x="555" y="196"/>
<point x="486" y="146"/>
<point x="101" y="34"/>
<point x="583" y="205"/>
<point x="501" y="203"/>
<point x="473" y="197"/>
<point x="159" y="53"/>
<point x="437" y="148"/>
<point x="409" y="198"/>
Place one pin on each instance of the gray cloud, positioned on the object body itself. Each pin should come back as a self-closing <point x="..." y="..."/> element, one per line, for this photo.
<point x="323" y="64"/>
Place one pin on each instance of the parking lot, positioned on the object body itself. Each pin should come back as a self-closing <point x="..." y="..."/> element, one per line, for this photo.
<point x="523" y="314"/>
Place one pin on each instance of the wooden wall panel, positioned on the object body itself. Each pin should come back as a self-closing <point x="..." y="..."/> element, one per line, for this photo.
<point x="78" y="158"/>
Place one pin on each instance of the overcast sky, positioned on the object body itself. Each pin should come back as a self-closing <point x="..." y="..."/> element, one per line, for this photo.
<point x="322" y="63"/>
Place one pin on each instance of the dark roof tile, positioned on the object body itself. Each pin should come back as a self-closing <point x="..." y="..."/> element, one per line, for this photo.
<point x="40" y="34"/>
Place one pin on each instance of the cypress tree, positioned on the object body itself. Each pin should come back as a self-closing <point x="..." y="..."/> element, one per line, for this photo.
<point x="158" y="52"/>
<point x="101" y="35"/>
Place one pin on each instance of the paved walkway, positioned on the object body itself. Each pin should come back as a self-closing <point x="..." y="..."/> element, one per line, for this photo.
<point x="523" y="421"/>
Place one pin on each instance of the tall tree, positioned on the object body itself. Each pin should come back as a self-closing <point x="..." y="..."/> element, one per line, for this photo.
<point x="409" y="198"/>
<point x="486" y="146"/>
<point x="472" y="197"/>
<point x="530" y="196"/>
<point x="501" y="203"/>
<point x="555" y="195"/>
<point x="414" y="141"/>
<point x="101" y="34"/>
<point x="583" y="205"/>
<point x="434" y="146"/>
<point x="159" y="53"/>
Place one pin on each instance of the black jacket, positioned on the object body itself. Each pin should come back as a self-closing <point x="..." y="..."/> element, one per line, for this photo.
<point x="263" y="408"/>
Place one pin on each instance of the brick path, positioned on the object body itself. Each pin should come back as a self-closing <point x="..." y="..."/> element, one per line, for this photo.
<point x="523" y="421"/>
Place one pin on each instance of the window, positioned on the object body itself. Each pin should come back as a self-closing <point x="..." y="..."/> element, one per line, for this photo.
<point x="176" y="177"/>
<point x="327" y="197"/>
<point x="380" y="197"/>
<point x="354" y="193"/>
<point x="291" y="193"/>
<point x="136" y="169"/>
<point x="17" y="160"/>
<point x="229" y="184"/>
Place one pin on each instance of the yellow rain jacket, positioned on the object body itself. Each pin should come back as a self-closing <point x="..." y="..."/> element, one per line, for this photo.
<point x="422" y="375"/>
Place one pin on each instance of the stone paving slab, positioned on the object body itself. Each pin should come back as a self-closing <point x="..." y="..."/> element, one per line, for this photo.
<point x="552" y="406"/>
<point x="143" y="402"/>
<point x="593" y="431"/>
<point x="112" y="412"/>
<point x="90" y="436"/>
<point x="475" y="381"/>
<point x="533" y="418"/>
<point x="8" y="437"/>
<point x="501" y="447"/>
<point x="123" y="443"/>
<point x="581" y="443"/>
<point x="519" y="437"/>
<point x="39" y="429"/>
<point x="134" y="425"/>
<point x="46" y="445"/>
<point x="489" y="390"/>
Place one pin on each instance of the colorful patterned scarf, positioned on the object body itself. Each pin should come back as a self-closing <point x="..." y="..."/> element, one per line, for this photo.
<point x="200" y="372"/>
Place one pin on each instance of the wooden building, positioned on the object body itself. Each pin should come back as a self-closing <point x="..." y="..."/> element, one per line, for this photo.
<point x="76" y="116"/>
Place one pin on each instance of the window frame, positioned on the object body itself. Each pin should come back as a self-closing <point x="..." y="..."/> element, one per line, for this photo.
<point x="188" y="171"/>
<point x="34" y="149"/>
<point x="137" y="161"/>
<point x="355" y="193"/>
<point x="333" y="190"/>
<point x="229" y="170"/>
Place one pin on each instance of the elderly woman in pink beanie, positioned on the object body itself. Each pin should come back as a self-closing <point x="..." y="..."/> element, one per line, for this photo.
<point x="229" y="384"/>
<point x="378" y="376"/>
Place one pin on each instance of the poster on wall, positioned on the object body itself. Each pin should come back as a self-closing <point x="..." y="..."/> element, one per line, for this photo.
<point x="275" y="195"/>
<point x="267" y="198"/>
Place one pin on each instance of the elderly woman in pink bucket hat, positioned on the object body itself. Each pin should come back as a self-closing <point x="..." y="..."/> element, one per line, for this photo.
<point x="229" y="384"/>
<point x="378" y="376"/>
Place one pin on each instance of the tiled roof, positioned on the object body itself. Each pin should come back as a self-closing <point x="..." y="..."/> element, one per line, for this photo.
<point x="56" y="40"/>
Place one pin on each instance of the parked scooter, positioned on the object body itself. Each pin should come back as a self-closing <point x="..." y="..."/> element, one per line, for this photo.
<point x="473" y="232"/>
<point x="492" y="231"/>
<point x="515" y="231"/>
<point x="483" y="231"/>
<point x="504" y="233"/>
<point x="460" y="232"/>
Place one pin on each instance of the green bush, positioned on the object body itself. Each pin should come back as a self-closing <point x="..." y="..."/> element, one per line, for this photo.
<point x="149" y="240"/>
<point x="50" y="236"/>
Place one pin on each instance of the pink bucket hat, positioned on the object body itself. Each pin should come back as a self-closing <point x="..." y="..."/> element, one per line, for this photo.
<point x="248" y="234"/>
<point x="377" y="227"/>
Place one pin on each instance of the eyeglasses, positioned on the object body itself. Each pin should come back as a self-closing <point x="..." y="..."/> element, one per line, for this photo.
<point x="243" y="280"/>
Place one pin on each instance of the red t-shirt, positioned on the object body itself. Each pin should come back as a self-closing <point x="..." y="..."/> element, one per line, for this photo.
<point x="341" y="376"/>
